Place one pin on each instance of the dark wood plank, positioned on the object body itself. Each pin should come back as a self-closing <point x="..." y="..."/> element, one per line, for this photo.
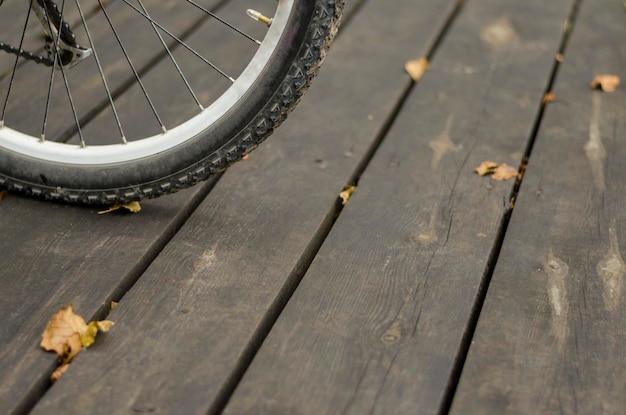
<point x="191" y="323"/>
<point x="551" y="334"/>
<point x="379" y="319"/>
<point x="55" y="255"/>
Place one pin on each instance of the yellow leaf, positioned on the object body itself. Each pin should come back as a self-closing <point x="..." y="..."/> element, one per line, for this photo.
<point x="416" y="68"/>
<point x="113" y="305"/>
<point x="133" y="207"/>
<point x="345" y="194"/>
<point x="89" y="336"/>
<point x="606" y="83"/>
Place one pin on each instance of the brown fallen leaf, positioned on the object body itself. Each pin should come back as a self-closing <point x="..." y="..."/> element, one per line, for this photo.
<point x="504" y="172"/>
<point x="133" y="207"/>
<point x="548" y="97"/>
<point x="3" y="194"/>
<point x="345" y="194"/>
<point x="63" y="334"/>
<point x="485" y="168"/>
<point x="66" y="333"/>
<point x="497" y="171"/>
<point x="606" y="83"/>
<point x="416" y="68"/>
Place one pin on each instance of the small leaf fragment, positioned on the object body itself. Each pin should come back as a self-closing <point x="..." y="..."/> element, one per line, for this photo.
<point x="3" y="194"/>
<point x="58" y="372"/>
<point x="498" y="172"/>
<point x="606" y="82"/>
<point x="113" y="305"/>
<point x="416" y="68"/>
<point x="548" y="97"/>
<point x="133" y="207"/>
<point x="345" y="194"/>
<point x="485" y="168"/>
<point x="104" y="325"/>
<point x="504" y="172"/>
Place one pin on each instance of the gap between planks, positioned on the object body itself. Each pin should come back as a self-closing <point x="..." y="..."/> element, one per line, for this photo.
<point x="495" y="253"/>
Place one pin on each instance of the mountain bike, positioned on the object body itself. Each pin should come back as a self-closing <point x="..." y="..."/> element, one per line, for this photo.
<point x="111" y="101"/>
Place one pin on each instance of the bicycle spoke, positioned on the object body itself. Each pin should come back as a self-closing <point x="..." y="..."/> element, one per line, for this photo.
<point x="219" y="19"/>
<point x="101" y="72"/>
<point x="181" y="43"/>
<point x="136" y="74"/>
<point x="169" y="53"/>
<point x="57" y="59"/>
<point x="17" y="58"/>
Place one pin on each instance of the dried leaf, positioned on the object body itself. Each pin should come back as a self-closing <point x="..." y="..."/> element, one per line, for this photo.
<point x="133" y="207"/>
<point x="3" y="194"/>
<point x="486" y="167"/>
<point x="345" y="194"/>
<point x="59" y="371"/>
<point x="504" y="172"/>
<point x="66" y="333"/>
<point x="606" y="83"/>
<point x="559" y="57"/>
<point x="548" y="97"/>
<point x="416" y="68"/>
<point x="113" y="305"/>
<point x="104" y="325"/>
<point x="63" y="333"/>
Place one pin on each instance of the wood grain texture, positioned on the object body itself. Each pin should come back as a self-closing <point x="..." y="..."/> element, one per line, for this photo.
<point x="200" y="309"/>
<point x="54" y="255"/>
<point x="551" y="335"/>
<point x="378" y="320"/>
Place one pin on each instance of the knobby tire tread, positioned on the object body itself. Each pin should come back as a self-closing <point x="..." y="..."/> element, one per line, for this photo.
<point x="310" y="57"/>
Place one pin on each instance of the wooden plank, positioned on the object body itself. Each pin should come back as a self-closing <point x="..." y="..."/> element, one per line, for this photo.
<point x="56" y="255"/>
<point x="187" y="329"/>
<point x="551" y="334"/>
<point x="379" y="319"/>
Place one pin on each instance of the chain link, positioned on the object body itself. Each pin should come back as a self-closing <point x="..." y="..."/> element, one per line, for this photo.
<point x="54" y="15"/>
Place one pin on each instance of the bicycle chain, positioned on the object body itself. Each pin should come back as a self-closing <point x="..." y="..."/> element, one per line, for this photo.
<point x="54" y="15"/>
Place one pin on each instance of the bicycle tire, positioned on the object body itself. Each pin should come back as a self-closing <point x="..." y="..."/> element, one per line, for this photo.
<point x="288" y="72"/>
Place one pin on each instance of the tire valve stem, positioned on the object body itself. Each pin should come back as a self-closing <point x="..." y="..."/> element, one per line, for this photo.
<point x="259" y="17"/>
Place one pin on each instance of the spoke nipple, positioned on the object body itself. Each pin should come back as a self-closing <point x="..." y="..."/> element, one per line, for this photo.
<point x="124" y="141"/>
<point x="259" y="17"/>
<point x="42" y="139"/>
<point x="163" y="129"/>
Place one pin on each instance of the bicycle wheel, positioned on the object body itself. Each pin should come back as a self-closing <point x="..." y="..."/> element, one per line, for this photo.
<point x="139" y="98"/>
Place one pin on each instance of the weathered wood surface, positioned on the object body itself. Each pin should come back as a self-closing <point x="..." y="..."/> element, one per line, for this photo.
<point x="379" y="319"/>
<point x="551" y="335"/>
<point x="251" y="240"/>
<point x="55" y="255"/>
<point x="237" y="298"/>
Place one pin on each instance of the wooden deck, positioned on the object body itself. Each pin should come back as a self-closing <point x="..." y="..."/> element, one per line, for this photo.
<point x="434" y="290"/>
